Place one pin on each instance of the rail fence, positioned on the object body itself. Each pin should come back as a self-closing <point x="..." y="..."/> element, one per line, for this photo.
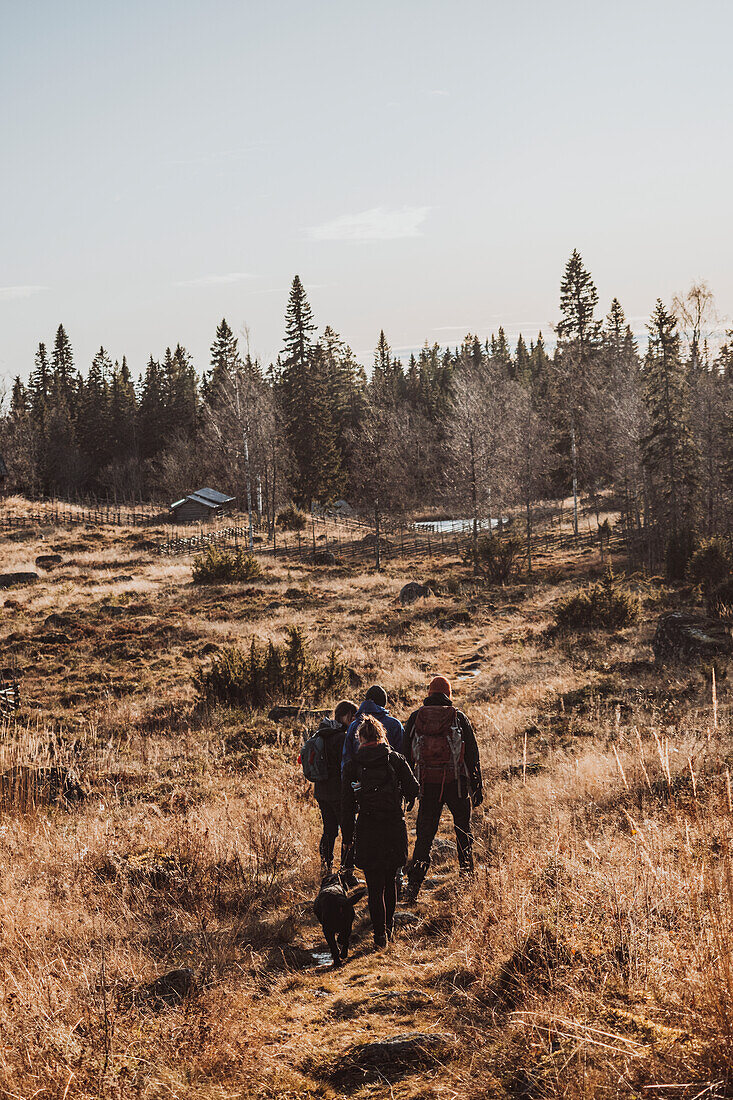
<point x="64" y="514"/>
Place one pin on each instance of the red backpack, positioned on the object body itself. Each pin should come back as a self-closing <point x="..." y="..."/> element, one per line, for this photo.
<point x="437" y="745"/>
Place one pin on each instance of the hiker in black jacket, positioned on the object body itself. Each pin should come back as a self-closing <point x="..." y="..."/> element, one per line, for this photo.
<point x="375" y="783"/>
<point x="441" y="746"/>
<point x="328" y="791"/>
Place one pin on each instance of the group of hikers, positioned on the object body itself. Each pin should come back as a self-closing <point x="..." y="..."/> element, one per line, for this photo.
<point x="368" y="769"/>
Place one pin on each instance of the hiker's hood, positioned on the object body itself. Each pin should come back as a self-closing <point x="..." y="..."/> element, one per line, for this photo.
<point x="372" y="754"/>
<point x="437" y="699"/>
<point x="374" y="709"/>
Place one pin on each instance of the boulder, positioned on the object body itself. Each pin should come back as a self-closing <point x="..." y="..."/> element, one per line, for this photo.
<point x="413" y="592"/>
<point x="48" y="561"/>
<point x="13" y="580"/>
<point x="325" y="557"/>
<point x="395" y="1057"/>
<point x="685" y="639"/>
<point x="171" y="988"/>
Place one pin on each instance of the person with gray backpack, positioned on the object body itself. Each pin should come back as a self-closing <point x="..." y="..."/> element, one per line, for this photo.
<point x="320" y="758"/>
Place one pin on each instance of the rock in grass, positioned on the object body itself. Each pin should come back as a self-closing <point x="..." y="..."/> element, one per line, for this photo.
<point x="413" y="592"/>
<point x="394" y="1057"/>
<point x="685" y="639"/>
<point x="325" y="557"/>
<point x="13" y="580"/>
<point x="48" y="561"/>
<point x="171" y="988"/>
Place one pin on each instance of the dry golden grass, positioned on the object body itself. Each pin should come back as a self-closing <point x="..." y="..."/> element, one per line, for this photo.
<point x="592" y="956"/>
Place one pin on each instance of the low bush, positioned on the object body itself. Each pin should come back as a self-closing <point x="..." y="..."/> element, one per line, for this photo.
<point x="602" y="606"/>
<point x="711" y="564"/>
<point x="291" y="519"/>
<point x="499" y="557"/>
<point x="225" y="567"/>
<point x="264" y="673"/>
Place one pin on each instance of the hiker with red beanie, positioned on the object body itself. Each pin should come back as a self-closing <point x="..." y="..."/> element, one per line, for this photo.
<point x="441" y="747"/>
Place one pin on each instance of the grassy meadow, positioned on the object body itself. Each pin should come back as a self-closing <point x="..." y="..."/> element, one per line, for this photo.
<point x="591" y="957"/>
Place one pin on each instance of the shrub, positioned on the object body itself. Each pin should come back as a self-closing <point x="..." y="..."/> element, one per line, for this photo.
<point x="499" y="556"/>
<point x="711" y="564"/>
<point x="225" y="567"/>
<point x="605" y="606"/>
<point x="291" y="519"/>
<point x="263" y="673"/>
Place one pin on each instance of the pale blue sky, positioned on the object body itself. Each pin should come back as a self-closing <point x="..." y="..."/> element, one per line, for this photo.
<point x="425" y="167"/>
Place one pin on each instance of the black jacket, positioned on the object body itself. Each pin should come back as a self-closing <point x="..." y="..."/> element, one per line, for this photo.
<point x="333" y="734"/>
<point x="380" y="841"/>
<point x="471" y="759"/>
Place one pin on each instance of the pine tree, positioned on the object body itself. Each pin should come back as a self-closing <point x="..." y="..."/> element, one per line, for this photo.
<point x="152" y="414"/>
<point x="297" y="384"/>
<point x="578" y="334"/>
<point x="669" y="450"/>
<point x="522" y="363"/>
<point x="93" y="424"/>
<point x="62" y="365"/>
<point x="39" y="383"/>
<point x="224" y="357"/>
<point x="122" y="413"/>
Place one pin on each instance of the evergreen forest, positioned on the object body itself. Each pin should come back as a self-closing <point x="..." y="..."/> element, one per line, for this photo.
<point x="482" y="429"/>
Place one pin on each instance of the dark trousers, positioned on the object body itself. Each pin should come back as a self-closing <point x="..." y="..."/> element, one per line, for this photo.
<point x="331" y="814"/>
<point x="382" y="886"/>
<point x="432" y="800"/>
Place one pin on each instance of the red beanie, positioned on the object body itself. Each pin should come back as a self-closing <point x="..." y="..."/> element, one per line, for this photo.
<point x="440" y="686"/>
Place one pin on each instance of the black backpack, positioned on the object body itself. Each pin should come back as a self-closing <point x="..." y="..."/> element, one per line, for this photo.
<point x="379" y="793"/>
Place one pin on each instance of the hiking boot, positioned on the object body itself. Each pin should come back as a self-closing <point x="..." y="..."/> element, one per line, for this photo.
<point x="348" y="877"/>
<point x="380" y="942"/>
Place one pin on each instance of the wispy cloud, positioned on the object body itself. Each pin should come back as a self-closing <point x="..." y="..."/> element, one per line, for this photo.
<point x="377" y="224"/>
<point x="9" y="293"/>
<point x="216" y="280"/>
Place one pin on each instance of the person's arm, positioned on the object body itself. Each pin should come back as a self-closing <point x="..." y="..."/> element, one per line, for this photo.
<point x="348" y="805"/>
<point x="408" y="782"/>
<point x="348" y="750"/>
<point x="407" y="739"/>
<point x="472" y="760"/>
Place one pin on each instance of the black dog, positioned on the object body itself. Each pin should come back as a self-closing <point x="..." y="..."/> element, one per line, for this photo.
<point x="334" y="908"/>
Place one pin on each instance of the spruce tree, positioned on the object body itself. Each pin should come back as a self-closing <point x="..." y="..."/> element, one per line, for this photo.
<point x="93" y="424"/>
<point x="297" y="384"/>
<point x="224" y="357"/>
<point x="152" y="418"/>
<point x="62" y="365"/>
<point x="578" y="334"/>
<point x="122" y="413"/>
<point x="669" y="450"/>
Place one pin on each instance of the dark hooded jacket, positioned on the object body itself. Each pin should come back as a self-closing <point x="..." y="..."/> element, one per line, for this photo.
<point x="380" y="839"/>
<point x="392" y="726"/>
<point x="333" y="734"/>
<point x="471" y="761"/>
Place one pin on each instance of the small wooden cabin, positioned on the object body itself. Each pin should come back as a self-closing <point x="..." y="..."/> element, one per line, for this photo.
<point x="201" y="506"/>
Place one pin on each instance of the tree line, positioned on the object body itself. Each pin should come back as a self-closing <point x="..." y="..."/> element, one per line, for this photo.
<point x="481" y="430"/>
